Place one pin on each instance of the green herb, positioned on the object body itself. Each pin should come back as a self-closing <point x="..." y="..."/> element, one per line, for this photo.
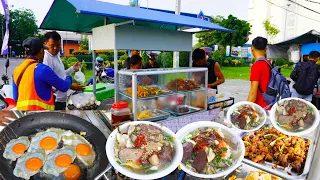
<point x="147" y="166"/>
<point x="223" y="150"/>
<point x="194" y="155"/>
<point x="231" y="156"/>
<point x="118" y="129"/>
<point x="168" y="138"/>
<point x="135" y="131"/>
<point x="188" y="163"/>
<point x="118" y="161"/>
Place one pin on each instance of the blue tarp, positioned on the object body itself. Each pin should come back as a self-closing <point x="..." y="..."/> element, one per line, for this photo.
<point x="82" y="15"/>
<point x="307" y="48"/>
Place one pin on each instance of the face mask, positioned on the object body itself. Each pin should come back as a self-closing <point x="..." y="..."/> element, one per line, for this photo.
<point x="207" y="57"/>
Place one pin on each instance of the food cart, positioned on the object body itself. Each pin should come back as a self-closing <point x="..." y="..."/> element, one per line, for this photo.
<point x="120" y="27"/>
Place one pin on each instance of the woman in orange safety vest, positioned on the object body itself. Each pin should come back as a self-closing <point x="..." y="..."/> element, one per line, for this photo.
<point x="33" y="81"/>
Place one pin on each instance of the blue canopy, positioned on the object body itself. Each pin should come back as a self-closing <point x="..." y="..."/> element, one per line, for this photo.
<point x="83" y="15"/>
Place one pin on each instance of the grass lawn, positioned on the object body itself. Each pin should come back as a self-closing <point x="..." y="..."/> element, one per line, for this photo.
<point x="243" y="73"/>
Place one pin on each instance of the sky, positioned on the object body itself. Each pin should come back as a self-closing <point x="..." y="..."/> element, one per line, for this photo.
<point x="238" y="8"/>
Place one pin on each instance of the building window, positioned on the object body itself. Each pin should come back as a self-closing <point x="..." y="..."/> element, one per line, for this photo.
<point x="70" y="51"/>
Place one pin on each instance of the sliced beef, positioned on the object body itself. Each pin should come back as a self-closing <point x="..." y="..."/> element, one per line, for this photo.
<point x="130" y="154"/>
<point x="200" y="161"/>
<point x="285" y="119"/>
<point x="187" y="151"/>
<point x="242" y="122"/>
<point x="166" y="153"/>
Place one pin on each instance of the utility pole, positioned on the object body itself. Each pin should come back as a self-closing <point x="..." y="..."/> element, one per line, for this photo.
<point x="176" y="54"/>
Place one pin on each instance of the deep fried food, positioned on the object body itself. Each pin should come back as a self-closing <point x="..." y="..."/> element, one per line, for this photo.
<point x="144" y="114"/>
<point x="268" y="144"/>
<point x="256" y="175"/>
<point x="145" y="91"/>
<point x="182" y="85"/>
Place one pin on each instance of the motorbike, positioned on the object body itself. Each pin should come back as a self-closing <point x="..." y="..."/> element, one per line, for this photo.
<point x="6" y="94"/>
<point x="104" y="75"/>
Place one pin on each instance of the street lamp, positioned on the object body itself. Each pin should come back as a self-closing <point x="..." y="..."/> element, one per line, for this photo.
<point x="285" y="21"/>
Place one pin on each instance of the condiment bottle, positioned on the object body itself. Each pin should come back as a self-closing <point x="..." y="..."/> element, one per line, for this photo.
<point x="120" y="112"/>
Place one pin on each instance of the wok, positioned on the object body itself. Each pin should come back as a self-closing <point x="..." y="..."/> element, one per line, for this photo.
<point x="34" y="123"/>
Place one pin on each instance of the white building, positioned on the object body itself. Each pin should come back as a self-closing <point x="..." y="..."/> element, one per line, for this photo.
<point x="279" y="13"/>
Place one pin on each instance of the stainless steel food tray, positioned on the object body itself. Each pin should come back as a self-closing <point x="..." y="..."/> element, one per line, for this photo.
<point x="191" y="110"/>
<point x="242" y="171"/>
<point x="281" y="171"/>
<point x="157" y="115"/>
<point x="163" y="90"/>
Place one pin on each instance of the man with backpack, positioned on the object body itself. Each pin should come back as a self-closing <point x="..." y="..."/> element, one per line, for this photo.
<point x="305" y="75"/>
<point x="267" y="84"/>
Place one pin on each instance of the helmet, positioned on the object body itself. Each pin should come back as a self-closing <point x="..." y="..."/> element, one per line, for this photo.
<point x="152" y="55"/>
<point x="99" y="59"/>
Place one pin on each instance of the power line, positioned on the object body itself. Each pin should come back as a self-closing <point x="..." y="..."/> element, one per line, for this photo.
<point x="313" y="1"/>
<point x="292" y="11"/>
<point x="304" y="6"/>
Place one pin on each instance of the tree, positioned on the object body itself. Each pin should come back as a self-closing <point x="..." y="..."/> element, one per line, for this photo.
<point x="270" y="29"/>
<point x="84" y="43"/>
<point x="22" y="24"/>
<point x="239" y="37"/>
<point x="132" y="4"/>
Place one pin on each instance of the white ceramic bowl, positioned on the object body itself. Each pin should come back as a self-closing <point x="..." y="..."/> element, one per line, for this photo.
<point x="300" y="133"/>
<point x="257" y="107"/>
<point x="125" y="171"/>
<point x="237" y="145"/>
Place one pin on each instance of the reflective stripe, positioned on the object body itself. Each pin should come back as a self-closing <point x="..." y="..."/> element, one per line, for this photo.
<point x="35" y="103"/>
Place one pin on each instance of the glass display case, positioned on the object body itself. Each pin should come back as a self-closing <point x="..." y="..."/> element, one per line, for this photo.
<point x="156" y="94"/>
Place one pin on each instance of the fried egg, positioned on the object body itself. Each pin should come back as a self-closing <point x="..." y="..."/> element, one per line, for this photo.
<point x="72" y="173"/>
<point x="48" y="141"/>
<point x="84" y="150"/>
<point x="29" y="164"/>
<point x="59" y="160"/>
<point x="16" y="147"/>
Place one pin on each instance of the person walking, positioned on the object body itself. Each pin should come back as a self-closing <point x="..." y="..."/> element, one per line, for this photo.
<point x="306" y="75"/>
<point x="52" y="59"/>
<point x="33" y="81"/>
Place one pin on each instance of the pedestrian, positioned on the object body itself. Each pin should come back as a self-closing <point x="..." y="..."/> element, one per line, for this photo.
<point x="260" y="72"/>
<point x="215" y="75"/>
<point x="306" y="75"/>
<point x="52" y="59"/>
<point x="33" y="81"/>
<point x="126" y="64"/>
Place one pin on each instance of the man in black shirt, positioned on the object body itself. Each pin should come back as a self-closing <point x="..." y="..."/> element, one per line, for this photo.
<point x="153" y="58"/>
<point x="215" y="76"/>
<point x="126" y="62"/>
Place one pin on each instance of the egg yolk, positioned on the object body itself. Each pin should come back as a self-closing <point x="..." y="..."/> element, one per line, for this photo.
<point x="34" y="164"/>
<point x="19" y="148"/>
<point x="72" y="173"/>
<point x="83" y="149"/>
<point x="48" y="143"/>
<point x="63" y="160"/>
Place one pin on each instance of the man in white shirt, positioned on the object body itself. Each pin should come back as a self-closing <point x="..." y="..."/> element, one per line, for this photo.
<point x="52" y="59"/>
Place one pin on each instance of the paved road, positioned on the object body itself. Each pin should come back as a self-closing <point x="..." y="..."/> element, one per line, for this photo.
<point x="239" y="89"/>
<point x="13" y="64"/>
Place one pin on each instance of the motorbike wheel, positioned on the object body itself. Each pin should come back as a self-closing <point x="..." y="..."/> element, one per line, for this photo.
<point x="3" y="104"/>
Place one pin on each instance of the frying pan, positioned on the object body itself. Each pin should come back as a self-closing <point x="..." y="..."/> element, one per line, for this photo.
<point x="33" y="123"/>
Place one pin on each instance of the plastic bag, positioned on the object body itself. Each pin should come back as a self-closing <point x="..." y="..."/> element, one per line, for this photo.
<point x="79" y="77"/>
<point x="294" y="53"/>
<point x="84" y="99"/>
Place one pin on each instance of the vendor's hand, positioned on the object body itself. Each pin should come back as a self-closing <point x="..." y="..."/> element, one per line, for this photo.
<point x="5" y="116"/>
<point x="77" y="87"/>
<point x="77" y="66"/>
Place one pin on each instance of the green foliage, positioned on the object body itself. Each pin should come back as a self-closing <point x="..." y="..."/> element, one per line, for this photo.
<point x="110" y="52"/>
<point x="84" y="43"/>
<point x="184" y="59"/>
<point x="237" y="38"/>
<point x="80" y="52"/>
<point x="83" y="65"/>
<point x="104" y="57"/>
<point x="70" y="61"/>
<point x="253" y="60"/>
<point x="144" y="56"/>
<point x="227" y="61"/>
<point x="123" y="57"/>
<point x="271" y="29"/>
<point x="169" y="60"/>
<point x="217" y="56"/>
<point x="22" y="24"/>
<point x="283" y="63"/>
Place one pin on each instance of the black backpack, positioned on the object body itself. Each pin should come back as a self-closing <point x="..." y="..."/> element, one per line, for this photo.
<point x="306" y="78"/>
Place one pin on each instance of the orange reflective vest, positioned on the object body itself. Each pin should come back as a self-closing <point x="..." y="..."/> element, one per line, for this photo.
<point x="28" y="98"/>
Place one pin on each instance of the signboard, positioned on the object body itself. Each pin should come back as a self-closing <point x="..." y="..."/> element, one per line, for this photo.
<point x="235" y="51"/>
<point x="244" y="52"/>
<point x="202" y="16"/>
<point x="228" y="51"/>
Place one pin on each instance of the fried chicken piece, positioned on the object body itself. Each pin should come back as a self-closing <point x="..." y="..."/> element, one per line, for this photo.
<point x="283" y="158"/>
<point x="269" y="157"/>
<point x="258" y="158"/>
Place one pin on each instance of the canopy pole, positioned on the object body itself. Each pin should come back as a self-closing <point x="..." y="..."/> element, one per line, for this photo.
<point x="94" y="69"/>
<point x="116" y="75"/>
<point x="176" y="54"/>
<point x="190" y="59"/>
